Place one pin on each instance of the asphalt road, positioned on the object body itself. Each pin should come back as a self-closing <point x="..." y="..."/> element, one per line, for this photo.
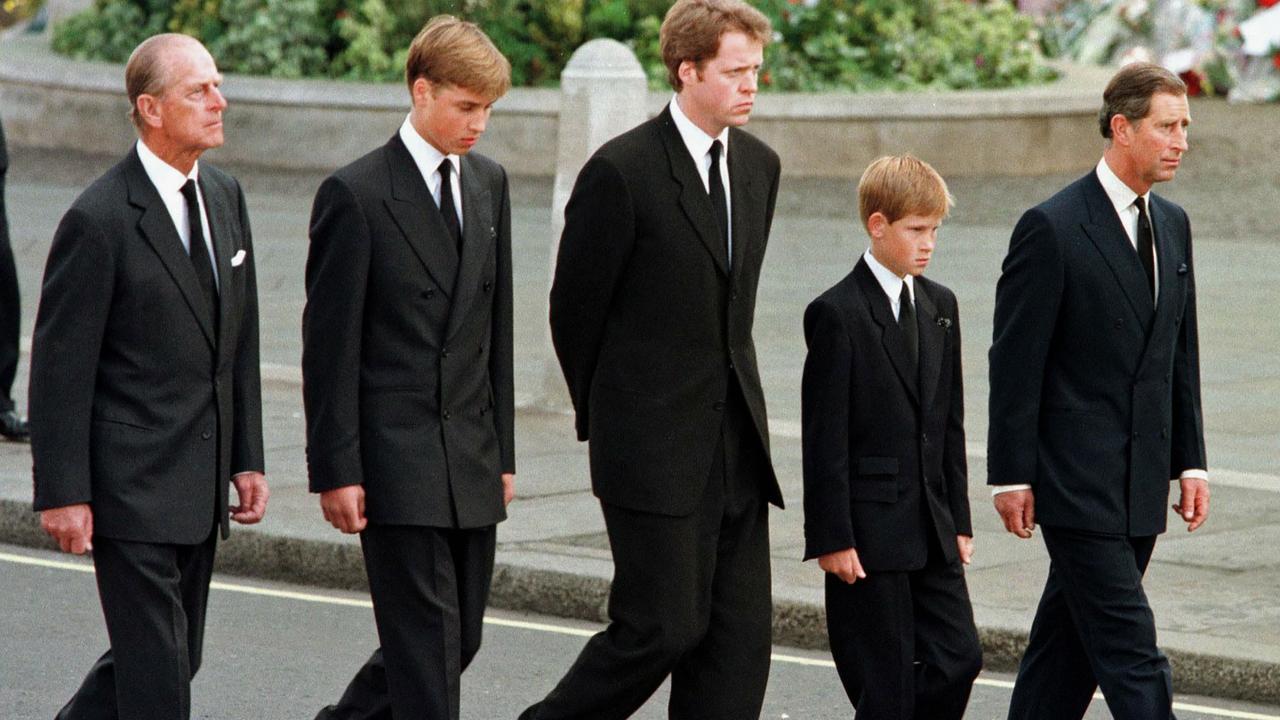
<point x="275" y="652"/>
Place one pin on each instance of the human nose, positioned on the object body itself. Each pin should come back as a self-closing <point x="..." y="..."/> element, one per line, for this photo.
<point x="751" y="81"/>
<point x="219" y="101"/>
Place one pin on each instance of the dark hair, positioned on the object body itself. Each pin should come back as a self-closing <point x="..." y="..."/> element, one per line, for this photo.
<point x="1129" y="93"/>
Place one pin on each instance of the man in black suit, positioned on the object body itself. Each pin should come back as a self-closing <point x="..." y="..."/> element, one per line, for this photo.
<point x="886" y="501"/>
<point x="651" y="311"/>
<point x="1095" y="405"/>
<point x="407" y="373"/>
<point x="12" y="425"/>
<point x="145" y="393"/>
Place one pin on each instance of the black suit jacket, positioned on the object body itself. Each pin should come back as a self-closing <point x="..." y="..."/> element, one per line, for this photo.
<point x="139" y="405"/>
<point x="649" y="318"/>
<point x="407" y="348"/>
<point x="1095" y="391"/>
<point x="884" y="449"/>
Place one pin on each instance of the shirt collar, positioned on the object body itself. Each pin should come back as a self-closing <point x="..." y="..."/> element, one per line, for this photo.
<point x="890" y="283"/>
<point x="697" y="141"/>
<point x="166" y="178"/>
<point x="424" y="154"/>
<point x="1120" y="195"/>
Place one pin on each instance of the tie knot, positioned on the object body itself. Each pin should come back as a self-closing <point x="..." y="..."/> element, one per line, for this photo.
<point x="189" y="191"/>
<point x="445" y="168"/>
<point x="904" y="296"/>
<point x="716" y="147"/>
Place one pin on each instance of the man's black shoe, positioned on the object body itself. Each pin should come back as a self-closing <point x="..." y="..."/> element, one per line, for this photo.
<point x="13" y="427"/>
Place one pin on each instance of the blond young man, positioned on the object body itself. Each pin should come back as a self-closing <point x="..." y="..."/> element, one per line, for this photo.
<point x="651" y="312"/>
<point x="407" y="369"/>
<point x="885" y="479"/>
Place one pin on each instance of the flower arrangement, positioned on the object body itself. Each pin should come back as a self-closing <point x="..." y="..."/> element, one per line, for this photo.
<point x="1218" y="47"/>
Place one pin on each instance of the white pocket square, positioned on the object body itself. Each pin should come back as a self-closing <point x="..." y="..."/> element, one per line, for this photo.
<point x="238" y="259"/>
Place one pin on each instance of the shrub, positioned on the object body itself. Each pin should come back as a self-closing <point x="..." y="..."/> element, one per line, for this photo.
<point x="819" y="44"/>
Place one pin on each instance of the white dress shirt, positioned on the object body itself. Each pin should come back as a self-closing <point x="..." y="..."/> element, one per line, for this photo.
<point x="428" y="160"/>
<point x="699" y="145"/>
<point x="1121" y="197"/>
<point x="890" y="283"/>
<point x="168" y="181"/>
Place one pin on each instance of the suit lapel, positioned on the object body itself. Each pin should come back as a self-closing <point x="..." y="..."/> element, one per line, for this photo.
<point x="1108" y="235"/>
<point x="156" y="225"/>
<point x="224" y="245"/>
<point x="890" y="334"/>
<point x="478" y="234"/>
<point x="694" y="200"/>
<point x="744" y="194"/>
<point x="932" y="344"/>
<point x="415" y="211"/>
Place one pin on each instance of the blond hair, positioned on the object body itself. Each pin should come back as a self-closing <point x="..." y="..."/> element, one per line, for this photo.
<point x="449" y="51"/>
<point x="692" y="30"/>
<point x="900" y="185"/>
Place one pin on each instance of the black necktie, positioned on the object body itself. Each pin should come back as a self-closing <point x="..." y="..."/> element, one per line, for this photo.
<point x="907" y="321"/>
<point x="1146" y="244"/>
<point x="200" y="259"/>
<point x="719" y="205"/>
<point x="447" y="210"/>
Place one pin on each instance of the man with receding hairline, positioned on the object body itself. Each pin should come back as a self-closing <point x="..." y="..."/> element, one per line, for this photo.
<point x="407" y="373"/>
<point x="145" y="392"/>
<point x="651" y="313"/>
<point x="1095" y="405"/>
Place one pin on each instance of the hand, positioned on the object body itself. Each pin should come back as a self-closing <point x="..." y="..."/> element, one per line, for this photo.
<point x="251" y="489"/>
<point x="1193" y="506"/>
<point x="71" y="526"/>
<point x="508" y="488"/>
<point x="964" y="545"/>
<point x="843" y="564"/>
<point x="344" y="508"/>
<point x="1017" y="509"/>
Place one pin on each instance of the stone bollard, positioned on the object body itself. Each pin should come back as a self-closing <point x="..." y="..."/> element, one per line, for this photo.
<point x="602" y="94"/>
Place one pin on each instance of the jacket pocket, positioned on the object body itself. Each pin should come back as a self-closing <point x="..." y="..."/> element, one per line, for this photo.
<point x="876" y="480"/>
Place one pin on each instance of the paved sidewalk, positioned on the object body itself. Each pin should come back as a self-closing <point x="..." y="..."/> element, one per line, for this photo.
<point x="1214" y="592"/>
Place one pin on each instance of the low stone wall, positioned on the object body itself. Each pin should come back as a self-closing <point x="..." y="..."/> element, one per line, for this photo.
<point x="49" y="101"/>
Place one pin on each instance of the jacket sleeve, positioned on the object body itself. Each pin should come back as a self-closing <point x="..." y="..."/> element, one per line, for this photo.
<point x="246" y="435"/>
<point x="75" y="300"/>
<point x="1187" y="449"/>
<point x="599" y="231"/>
<point x="1027" y="298"/>
<point x="332" y="331"/>
<point x="824" y="416"/>
<point x="501" y="355"/>
<point x="955" y="464"/>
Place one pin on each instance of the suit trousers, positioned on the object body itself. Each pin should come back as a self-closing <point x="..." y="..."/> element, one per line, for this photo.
<point x="154" y="598"/>
<point x="10" y="305"/>
<point x="1093" y="628"/>
<point x="429" y="587"/>
<point x="904" y="643"/>
<point x="690" y="598"/>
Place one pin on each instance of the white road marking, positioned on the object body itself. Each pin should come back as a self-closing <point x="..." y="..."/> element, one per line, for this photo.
<point x="86" y="566"/>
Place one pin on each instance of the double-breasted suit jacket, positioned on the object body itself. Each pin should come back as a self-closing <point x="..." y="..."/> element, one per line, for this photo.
<point x="407" y="347"/>
<point x="650" y="318"/>
<point x="1095" y="388"/>
<point x="884" y="452"/>
<point x="140" y="405"/>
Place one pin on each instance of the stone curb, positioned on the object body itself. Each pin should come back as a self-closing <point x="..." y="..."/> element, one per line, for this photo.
<point x="522" y="588"/>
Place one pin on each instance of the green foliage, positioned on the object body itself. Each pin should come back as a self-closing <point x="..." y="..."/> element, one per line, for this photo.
<point x="819" y="44"/>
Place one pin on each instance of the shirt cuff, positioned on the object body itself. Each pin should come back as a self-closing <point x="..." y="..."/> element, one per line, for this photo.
<point x="997" y="489"/>
<point x="1194" y="474"/>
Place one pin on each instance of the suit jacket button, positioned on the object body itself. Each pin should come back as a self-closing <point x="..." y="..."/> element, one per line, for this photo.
<point x="1164" y="432"/>
<point x="488" y="285"/>
<point x="206" y="435"/>
<point x="1136" y="435"/>
<point x="445" y="415"/>
<point x="430" y="293"/>
<point x="924" y="438"/>
<point x="1119" y="322"/>
<point x="444" y="352"/>
<point x="717" y="406"/>
<point x="1167" y="378"/>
